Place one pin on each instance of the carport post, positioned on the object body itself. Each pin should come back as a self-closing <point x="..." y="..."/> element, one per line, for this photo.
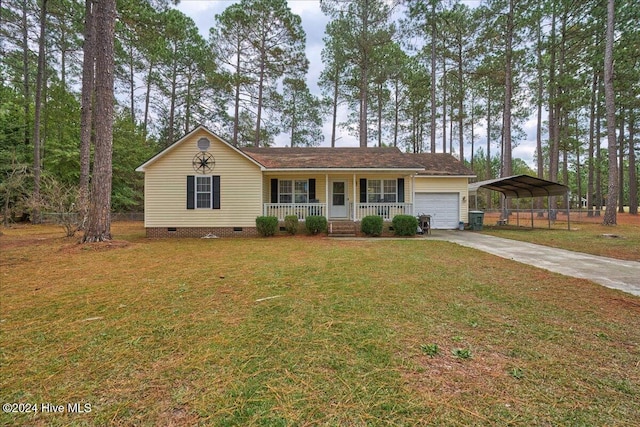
<point x="549" y="211"/>
<point x="531" y="212"/>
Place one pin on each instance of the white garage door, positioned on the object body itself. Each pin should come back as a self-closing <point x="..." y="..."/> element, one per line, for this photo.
<point x="443" y="207"/>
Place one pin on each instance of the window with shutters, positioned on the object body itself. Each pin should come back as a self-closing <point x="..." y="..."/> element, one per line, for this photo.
<point x="290" y="191"/>
<point x="382" y="191"/>
<point x="203" y="192"/>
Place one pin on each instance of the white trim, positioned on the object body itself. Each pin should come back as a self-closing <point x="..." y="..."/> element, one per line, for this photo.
<point x="445" y="176"/>
<point x="345" y="194"/>
<point x="179" y="142"/>
<point x="196" y="192"/>
<point x="413" y="193"/>
<point x="370" y="170"/>
<point x="354" y="200"/>
<point x="326" y="192"/>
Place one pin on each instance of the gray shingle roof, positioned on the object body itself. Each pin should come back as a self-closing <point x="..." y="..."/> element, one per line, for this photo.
<point x="355" y="158"/>
<point x="440" y="164"/>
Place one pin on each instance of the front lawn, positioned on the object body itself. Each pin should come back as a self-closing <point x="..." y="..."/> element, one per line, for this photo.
<point x="621" y="241"/>
<point x="306" y="331"/>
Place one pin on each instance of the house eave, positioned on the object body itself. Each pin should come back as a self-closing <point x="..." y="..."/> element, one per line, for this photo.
<point x="342" y="170"/>
<point x="424" y="175"/>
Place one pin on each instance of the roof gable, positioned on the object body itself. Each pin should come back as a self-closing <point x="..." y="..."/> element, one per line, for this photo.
<point x="187" y="137"/>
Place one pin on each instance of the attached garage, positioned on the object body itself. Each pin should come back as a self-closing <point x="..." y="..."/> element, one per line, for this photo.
<point x="444" y="208"/>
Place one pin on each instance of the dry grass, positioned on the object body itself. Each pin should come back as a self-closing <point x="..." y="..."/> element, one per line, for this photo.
<point x="177" y="332"/>
<point x="590" y="236"/>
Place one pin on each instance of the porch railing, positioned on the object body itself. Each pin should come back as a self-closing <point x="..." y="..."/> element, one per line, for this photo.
<point x="301" y="210"/>
<point x="386" y="210"/>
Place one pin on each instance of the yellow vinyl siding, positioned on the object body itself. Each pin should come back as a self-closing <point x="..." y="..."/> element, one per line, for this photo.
<point x="166" y="188"/>
<point x="427" y="184"/>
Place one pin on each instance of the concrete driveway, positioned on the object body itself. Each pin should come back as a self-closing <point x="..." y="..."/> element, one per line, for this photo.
<point x="609" y="272"/>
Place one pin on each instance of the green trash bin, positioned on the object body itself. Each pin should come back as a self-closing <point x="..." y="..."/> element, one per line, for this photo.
<point x="476" y="218"/>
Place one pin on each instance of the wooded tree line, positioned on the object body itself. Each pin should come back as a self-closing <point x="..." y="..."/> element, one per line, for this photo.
<point x="425" y="76"/>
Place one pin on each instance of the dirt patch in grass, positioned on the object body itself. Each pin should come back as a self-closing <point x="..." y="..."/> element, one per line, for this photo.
<point x="96" y="246"/>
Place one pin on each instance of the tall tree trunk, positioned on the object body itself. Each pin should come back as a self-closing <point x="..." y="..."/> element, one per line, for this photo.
<point x="460" y="104"/>
<point x="621" y="162"/>
<point x="578" y="169"/>
<point x="263" y="64"/>
<point x="379" y="115"/>
<point x="147" y="98"/>
<point x="433" y="76"/>
<point x="554" y="128"/>
<point x="508" y="95"/>
<point x="610" y="217"/>
<point x="99" y="220"/>
<point x="37" y="162"/>
<point x="444" y="104"/>
<point x="86" y="111"/>
<point x="539" y="69"/>
<point x="633" y="179"/>
<point x="592" y="120"/>
<point x="473" y="136"/>
<point x="334" y="118"/>
<point x="598" y="190"/>
<point x="172" y="101"/>
<point x="364" y="81"/>
<point x="187" y="106"/>
<point x="396" y="112"/>
<point x="293" y="119"/>
<point x="132" y="87"/>
<point x="25" y="73"/>
<point x="236" y="101"/>
<point x="489" y="174"/>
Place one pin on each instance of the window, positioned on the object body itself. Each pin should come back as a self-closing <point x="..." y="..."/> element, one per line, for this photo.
<point x="382" y="191"/>
<point x="290" y="191"/>
<point x="203" y="192"/>
<point x="285" y="192"/>
<point x="302" y="191"/>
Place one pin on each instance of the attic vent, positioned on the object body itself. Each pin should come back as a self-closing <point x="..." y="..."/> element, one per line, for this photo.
<point x="204" y="144"/>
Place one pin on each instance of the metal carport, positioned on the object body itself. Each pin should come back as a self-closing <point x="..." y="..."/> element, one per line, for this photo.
<point x="519" y="186"/>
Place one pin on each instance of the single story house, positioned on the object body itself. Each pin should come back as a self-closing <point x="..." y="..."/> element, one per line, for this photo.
<point x="202" y="184"/>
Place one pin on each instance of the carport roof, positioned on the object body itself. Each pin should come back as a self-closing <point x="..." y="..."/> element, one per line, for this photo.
<point x="519" y="186"/>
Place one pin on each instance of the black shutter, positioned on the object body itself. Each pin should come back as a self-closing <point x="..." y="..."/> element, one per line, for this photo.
<point x="400" y="190"/>
<point x="215" y="191"/>
<point x="274" y="190"/>
<point x="363" y="190"/>
<point x="312" y="189"/>
<point x="191" y="192"/>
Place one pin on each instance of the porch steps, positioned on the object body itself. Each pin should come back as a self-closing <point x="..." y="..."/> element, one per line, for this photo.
<point x="342" y="229"/>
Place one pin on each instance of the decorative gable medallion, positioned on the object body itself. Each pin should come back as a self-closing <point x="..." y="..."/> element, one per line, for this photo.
<point x="203" y="162"/>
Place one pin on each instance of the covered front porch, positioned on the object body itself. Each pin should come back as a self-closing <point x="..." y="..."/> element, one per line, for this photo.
<point x="337" y="196"/>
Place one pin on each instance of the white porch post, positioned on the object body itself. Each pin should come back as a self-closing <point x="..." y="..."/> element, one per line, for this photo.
<point x="413" y="194"/>
<point x="326" y="194"/>
<point x="354" y="200"/>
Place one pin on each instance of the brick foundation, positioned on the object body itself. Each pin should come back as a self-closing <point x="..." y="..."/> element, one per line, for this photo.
<point x="163" y="232"/>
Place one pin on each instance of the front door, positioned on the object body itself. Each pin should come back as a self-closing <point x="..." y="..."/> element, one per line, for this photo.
<point x="338" y="208"/>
